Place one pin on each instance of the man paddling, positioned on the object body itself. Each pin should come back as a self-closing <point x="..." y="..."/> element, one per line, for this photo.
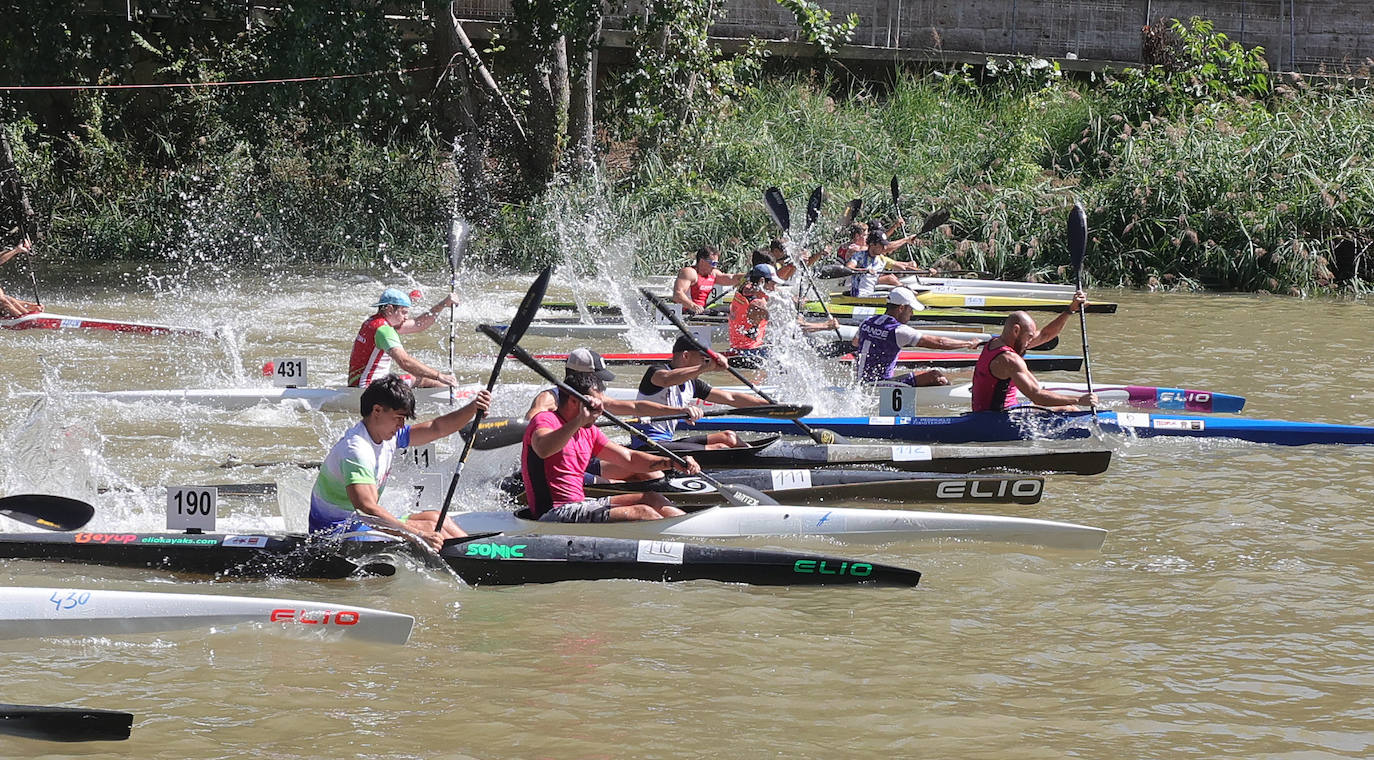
<point x="557" y="448"/>
<point x="678" y="383"/>
<point x="378" y="343"/>
<point x="584" y="361"/>
<point x="694" y="283"/>
<point x="354" y="473"/>
<point x="1001" y="370"/>
<point x="9" y="305"/>
<point x="749" y="316"/>
<point x="869" y="251"/>
<point x="881" y="338"/>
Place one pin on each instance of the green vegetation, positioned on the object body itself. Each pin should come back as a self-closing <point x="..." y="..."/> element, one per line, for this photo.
<point x="1201" y="170"/>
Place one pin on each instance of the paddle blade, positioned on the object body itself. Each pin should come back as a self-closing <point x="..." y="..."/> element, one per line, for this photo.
<point x="766" y="411"/>
<point x="65" y="724"/>
<point x="457" y="243"/>
<point x="500" y="432"/>
<point x="936" y="219"/>
<point x="813" y="207"/>
<point x="744" y="496"/>
<point x="777" y="208"/>
<point x="832" y="272"/>
<point x="47" y="512"/>
<point x="895" y="191"/>
<point x="851" y="210"/>
<point x="1078" y="240"/>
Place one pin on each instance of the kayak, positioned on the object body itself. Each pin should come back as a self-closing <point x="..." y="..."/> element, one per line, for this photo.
<point x="216" y="554"/>
<point x="958" y="301"/>
<point x="843" y="524"/>
<point x="961" y="316"/>
<point x="65" y="724"/>
<point x="337" y="398"/>
<point x="938" y="458"/>
<point x="48" y="321"/>
<point x="948" y="359"/>
<point x="809" y="486"/>
<point x="608" y="331"/>
<point x="1143" y="396"/>
<point x="96" y="612"/>
<point x="973" y="287"/>
<point x="478" y="560"/>
<point x="1034" y="424"/>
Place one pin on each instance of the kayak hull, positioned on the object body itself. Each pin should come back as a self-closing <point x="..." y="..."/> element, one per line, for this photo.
<point x="948" y="359"/>
<point x="848" y="525"/>
<point x="1030" y="425"/>
<point x="1141" y="396"/>
<point x="47" y="321"/>
<point x="26" y="612"/>
<point x="922" y="458"/>
<point x="808" y="486"/>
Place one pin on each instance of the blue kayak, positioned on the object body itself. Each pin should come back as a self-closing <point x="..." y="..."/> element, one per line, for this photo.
<point x="1039" y="424"/>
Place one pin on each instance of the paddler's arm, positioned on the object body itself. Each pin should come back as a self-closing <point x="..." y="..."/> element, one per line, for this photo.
<point x="644" y="461"/>
<point x="1014" y="367"/>
<point x="1051" y="330"/>
<point x="363" y="496"/>
<point x="947" y="344"/>
<point x="427" y="319"/>
<point x="641" y="408"/>
<point x="418" y="368"/>
<point x="544" y="401"/>
<point x="448" y="424"/>
<point x="23" y="247"/>
<point x="667" y="378"/>
<point x="549" y="441"/>
<point x="728" y="279"/>
<point x="682" y="290"/>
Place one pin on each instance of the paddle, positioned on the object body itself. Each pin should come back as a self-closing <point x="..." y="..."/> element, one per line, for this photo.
<point x="47" y="512"/>
<point x="521" y="322"/>
<point x="457" y="245"/>
<point x="777" y="208"/>
<point x="738" y="496"/>
<point x="507" y="431"/>
<point x="896" y="208"/>
<point x="65" y="724"/>
<point x="851" y="210"/>
<point x="819" y="436"/>
<point x="1078" y="247"/>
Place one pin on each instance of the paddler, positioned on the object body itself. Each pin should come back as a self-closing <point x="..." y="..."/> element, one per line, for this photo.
<point x="584" y="361"/>
<point x="9" y="305"/>
<point x="557" y="448"/>
<point x="379" y="343"/>
<point x="749" y="316"/>
<point x="881" y="337"/>
<point x="694" y="283"/>
<point x="352" y="477"/>
<point x="870" y="250"/>
<point x="1001" y="370"/>
<point x="678" y="383"/>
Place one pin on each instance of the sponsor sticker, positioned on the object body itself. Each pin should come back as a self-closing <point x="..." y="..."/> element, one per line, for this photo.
<point x="1180" y="425"/>
<point x="70" y="323"/>
<point x="882" y="420"/>
<point x="256" y="542"/>
<point x="662" y="552"/>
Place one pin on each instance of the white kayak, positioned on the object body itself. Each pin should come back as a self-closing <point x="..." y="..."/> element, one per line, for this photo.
<point x="841" y="523"/>
<point x="718" y="331"/>
<point x="1006" y="288"/>
<point x="328" y="399"/>
<point x="28" y="612"/>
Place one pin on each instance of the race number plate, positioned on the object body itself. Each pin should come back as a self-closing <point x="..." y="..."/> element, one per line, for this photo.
<point x="786" y="480"/>
<point x="974" y="301"/>
<point x="423" y="458"/>
<point x="897" y="401"/>
<point x="662" y="319"/>
<point x="287" y="373"/>
<point x="911" y="453"/>
<point x="1133" y="419"/>
<point x="662" y="552"/>
<point x="192" y="508"/>
<point x="865" y="311"/>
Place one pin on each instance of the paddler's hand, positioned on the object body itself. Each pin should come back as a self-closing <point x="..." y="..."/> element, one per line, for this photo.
<point x="693" y="413"/>
<point x="1089" y="399"/>
<point x="1080" y="299"/>
<point x="482" y="400"/>
<point x="691" y="468"/>
<point x="449" y="300"/>
<point x="587" y="413"/>
<point x="720" y="363"/>
<point x="448" y="380"/>
<point x="435" y="541"/>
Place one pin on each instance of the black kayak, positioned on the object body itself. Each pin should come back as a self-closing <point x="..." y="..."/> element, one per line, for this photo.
<point x="937" y="458"/>
<point x="65" y="724"/>
<point x="478" y="560"/>
<point x="810" y="486"/>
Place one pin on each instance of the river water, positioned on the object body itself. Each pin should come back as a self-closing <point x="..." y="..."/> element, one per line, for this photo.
<point x="1228" y="615"/>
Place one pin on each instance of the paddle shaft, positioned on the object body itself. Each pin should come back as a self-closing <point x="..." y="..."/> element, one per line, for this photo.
<point x="521" y="322"/>
<point x="897" y="208"/>
<point x="658" y="303"/>
<point x="777" y="207"/>
<point x="508" y="431"/>
<point x="1078" y="248"/>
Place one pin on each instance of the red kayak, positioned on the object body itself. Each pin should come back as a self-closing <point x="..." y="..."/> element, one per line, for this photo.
<point x="43" y="320"/>
<point x="1044" y="363"/>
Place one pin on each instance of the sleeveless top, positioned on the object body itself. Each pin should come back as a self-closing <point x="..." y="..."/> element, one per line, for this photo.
<point x="991" y="393"/>
<point x="673" y="395"/>
<point x="369" y="359"/>
<point x="701" y="289"/>
<point x="878" y="347"/>
<point x="744" y="334"/>
<point x="865" y="282"/>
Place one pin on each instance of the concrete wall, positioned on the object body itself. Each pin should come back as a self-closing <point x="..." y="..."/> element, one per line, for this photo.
<point x="1297" y="35"/>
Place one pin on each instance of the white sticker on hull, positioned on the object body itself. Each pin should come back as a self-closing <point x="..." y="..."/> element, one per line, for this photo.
<point x="784" y="480"/>
<point x="662" y="552"/>
<point x="911" y="453"/>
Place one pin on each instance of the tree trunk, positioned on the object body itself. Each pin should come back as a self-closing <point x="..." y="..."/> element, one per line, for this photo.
<point x="547" y="73"/>
<point x="582" y="60"/>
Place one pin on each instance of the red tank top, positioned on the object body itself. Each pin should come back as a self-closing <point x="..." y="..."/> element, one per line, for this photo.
<point x="991" y="393"/>
<point x="701" y="289"/>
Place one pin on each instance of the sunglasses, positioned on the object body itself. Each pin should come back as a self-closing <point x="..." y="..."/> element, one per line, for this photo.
<point x="714" y="262"/>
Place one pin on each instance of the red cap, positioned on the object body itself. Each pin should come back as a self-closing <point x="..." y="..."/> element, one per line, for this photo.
<point x="416" y="295"/>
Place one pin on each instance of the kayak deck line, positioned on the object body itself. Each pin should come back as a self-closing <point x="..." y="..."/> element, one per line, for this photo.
<point x="34" y="612"/>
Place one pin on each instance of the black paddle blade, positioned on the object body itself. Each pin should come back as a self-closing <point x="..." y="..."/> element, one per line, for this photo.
<point x="47" y="512"/>
<point x="832" y="272"/>
<point x="813" y="207"/>
<point x="457" y="243"/>
<point x="674" y="318"/>
<point x="895" y="191"/>
<point x="777" y="208"/>
<point x="65" y="724"/>
<point x="1078" y="240"/>
<point x="500" y="432"/>
<point x="774" y="411"/>
<point x="936" y="219"/>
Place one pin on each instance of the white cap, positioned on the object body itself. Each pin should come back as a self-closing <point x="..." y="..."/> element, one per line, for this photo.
<point x="589" y="361"/>
<point x="904" y="297"/>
